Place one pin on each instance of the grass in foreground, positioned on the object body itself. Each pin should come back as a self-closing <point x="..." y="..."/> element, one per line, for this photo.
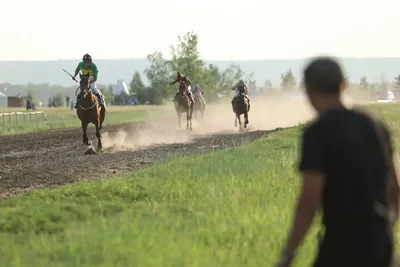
<point x="58" y="118"/>
<point x="229" y="208"/>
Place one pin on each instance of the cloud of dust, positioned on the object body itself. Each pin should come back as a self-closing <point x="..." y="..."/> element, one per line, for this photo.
<point x="266" y="113"/>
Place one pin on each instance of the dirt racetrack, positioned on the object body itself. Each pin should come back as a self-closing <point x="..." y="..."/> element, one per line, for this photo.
<point x="53" y="158"/>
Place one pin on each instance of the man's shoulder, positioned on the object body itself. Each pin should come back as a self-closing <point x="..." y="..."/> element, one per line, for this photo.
<point x="94" y="65"/>
<point x="81" y="64"/>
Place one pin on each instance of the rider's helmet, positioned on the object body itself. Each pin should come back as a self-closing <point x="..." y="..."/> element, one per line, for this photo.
<point x="179" y="75"/>
<point x="87" y="58"/>
<point x="197" y="86"/>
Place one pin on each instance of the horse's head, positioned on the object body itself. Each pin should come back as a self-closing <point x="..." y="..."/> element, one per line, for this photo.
<point x="84" y="84"/>
<point x="182" y="88"/>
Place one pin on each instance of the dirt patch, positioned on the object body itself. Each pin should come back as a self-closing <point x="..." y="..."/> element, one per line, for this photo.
<point x="55" y="158"/>
<point x="58" y="157"/>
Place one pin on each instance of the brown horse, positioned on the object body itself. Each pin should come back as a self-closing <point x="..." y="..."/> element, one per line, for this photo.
<point x="183" y="105"/>
<point x="89" y="110"/>
<point x="241" y="106"/>
<point x="198" y="105"/>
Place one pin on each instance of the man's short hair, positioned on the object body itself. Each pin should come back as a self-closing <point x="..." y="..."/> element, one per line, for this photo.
<point x="324" y="75"/>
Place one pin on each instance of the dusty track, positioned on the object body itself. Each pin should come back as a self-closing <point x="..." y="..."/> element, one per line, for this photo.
<point x="54" y="158"/>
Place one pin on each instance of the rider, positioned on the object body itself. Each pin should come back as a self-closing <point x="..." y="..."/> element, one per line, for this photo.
<point x="182" y="78"/>
<point x="86" y="66"/>
<point x="240" y="87"/>
<point x="197" y="89"/>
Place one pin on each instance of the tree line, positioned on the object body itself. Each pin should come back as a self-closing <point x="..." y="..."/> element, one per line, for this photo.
<point x="185" y="58"/>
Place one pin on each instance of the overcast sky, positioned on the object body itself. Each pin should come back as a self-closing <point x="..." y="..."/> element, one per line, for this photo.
<point x="227" y="30"/>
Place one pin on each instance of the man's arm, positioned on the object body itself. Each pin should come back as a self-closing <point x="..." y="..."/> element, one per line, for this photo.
<point x="174" y="82"/>
<point x="393" y="183"/>
<point x="307" y="206"/>
<point x="313" y="173"/>
<point x="393" y="195"/>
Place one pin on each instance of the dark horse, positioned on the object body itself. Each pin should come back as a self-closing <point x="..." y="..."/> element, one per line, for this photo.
<point x="241" y="106"/>
<point x="198" y="105"/>
<point x="183" y="105"/>
<point x="89" y="110"/>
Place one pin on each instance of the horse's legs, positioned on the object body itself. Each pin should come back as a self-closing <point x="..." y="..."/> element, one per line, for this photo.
<point x="246" y="119"/>
<point x="187" y="119"/>
<point x="191" y="115"/>
<point x="240" y="122"/>
<point x="86" y="140"/>
<point x="98" y="134"/>
<point x="246" y="114"/>
<point x="235" y="120"/>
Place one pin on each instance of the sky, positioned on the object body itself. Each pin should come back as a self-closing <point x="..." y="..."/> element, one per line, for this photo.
<point x="227" y="29"/>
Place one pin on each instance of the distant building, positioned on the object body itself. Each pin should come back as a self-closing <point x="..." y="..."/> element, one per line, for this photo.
<point x="3" y="100"/>
<point x="119" y="88"/>
<point x="16" y="101"/>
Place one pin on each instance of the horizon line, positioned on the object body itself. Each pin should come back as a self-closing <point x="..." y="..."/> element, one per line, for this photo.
<point x="250" y="59"/>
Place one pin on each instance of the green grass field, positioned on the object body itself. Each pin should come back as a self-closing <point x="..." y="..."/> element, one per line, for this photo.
<point x="229" y="208"/>
<point x="57" y="118"/>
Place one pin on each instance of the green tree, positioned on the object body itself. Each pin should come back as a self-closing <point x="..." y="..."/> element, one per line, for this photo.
<point x="186" y="58"/>
<point x="397" y="81"/>
<point x="136" y="84"/>
<point x="364" y="85"/>
<point x="288" y="81"/>
<point x="268" y="84"/>
<point x="31" y="96"/>
<point x="59" y="100"/>
<point x="158" y="73"/>
<point x="229" y="78"/>
<point x="137" y="87"/>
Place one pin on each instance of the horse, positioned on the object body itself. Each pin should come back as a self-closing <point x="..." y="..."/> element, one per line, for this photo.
<point x="241" y="106"/>
<point x="198" y="105"/>
<point x="183" y="105"/>
<point x="89" y="110"/>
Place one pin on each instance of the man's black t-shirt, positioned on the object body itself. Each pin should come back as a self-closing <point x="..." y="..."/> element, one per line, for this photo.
<point x="352" y="150"/>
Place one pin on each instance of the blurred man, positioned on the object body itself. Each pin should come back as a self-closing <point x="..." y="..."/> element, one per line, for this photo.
<point x="347" y="170"/>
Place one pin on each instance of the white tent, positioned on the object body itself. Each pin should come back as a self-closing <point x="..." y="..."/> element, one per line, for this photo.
<point x="120" y="88"/>
<point x="3" y="100"/>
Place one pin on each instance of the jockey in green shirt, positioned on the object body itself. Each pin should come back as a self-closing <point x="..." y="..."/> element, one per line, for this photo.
<point x="86" y="66"/>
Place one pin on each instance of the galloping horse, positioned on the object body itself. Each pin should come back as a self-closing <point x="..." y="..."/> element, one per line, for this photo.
<point x="89" y="110"/>
<point x="183" y="105"/>
<point x="198" y="105"/>
<point x="241" y="106"/>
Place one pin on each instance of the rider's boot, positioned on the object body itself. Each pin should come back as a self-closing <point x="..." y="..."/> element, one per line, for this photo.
<point x="190" y="97"/>
<point x="101" y="100"/>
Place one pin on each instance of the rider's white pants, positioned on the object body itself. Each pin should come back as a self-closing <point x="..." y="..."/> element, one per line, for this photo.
<point x="93" y="86"/>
